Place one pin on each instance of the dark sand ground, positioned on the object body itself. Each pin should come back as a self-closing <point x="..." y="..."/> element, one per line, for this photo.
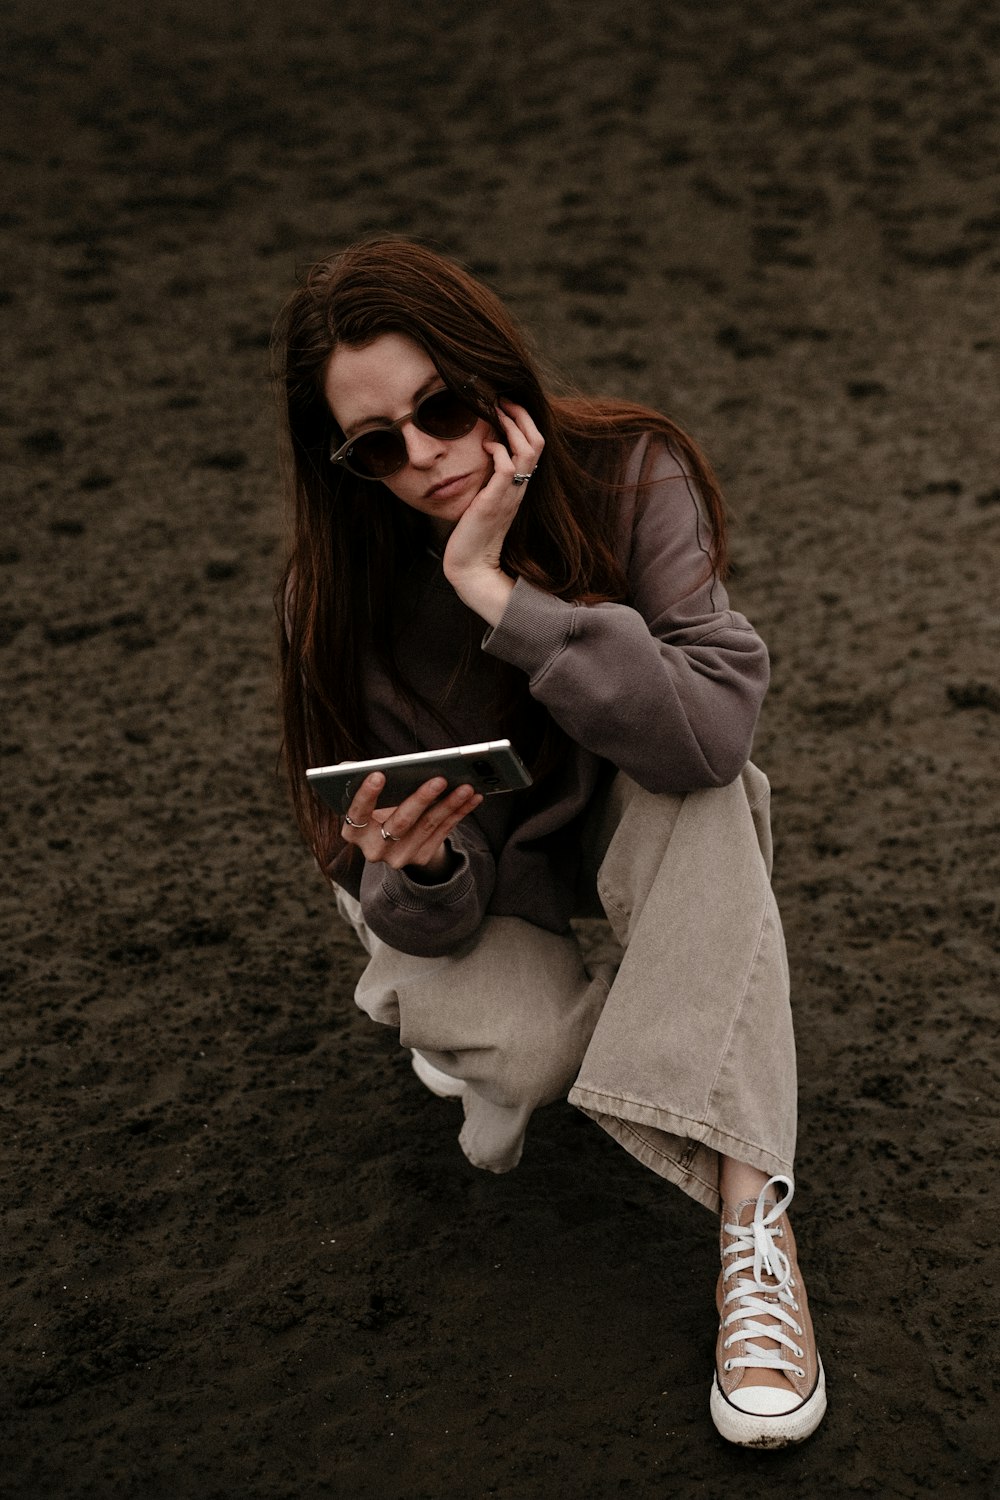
<point x="243" y="1254"/>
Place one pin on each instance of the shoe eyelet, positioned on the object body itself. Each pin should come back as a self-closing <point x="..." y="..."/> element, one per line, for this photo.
<point x="727" y="1366"/>
<point x="800" y="1373"/>
<point x="799" y="1353"/>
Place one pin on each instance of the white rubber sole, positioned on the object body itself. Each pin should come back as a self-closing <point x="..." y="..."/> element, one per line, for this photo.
<point x="751" y="1430"/>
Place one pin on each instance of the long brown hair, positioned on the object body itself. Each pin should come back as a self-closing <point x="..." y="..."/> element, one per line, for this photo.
<point x="351" y="539"/>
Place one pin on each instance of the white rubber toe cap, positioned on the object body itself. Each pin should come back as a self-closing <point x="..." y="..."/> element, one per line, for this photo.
<point x="767" y="1426"/>
<point x="764" y="1400"/>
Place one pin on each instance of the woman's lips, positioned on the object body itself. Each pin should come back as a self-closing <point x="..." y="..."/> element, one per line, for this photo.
<point x="446" y="488"/>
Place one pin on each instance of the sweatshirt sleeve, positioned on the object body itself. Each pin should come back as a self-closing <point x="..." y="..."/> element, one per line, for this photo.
<point x="428" y="920"/>
<point x="667" y="685"/>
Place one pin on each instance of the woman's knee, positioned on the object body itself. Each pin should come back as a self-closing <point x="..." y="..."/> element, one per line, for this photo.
<point x="537" y="1065"/>
<point x="512" y="1013"/>
<point x="651" y="834"/>
<point x="544" y="1038"/>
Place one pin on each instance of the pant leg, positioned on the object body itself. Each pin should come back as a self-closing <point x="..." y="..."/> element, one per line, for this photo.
<point x="693" y="1054"/>
<point x="510" y="1013"/>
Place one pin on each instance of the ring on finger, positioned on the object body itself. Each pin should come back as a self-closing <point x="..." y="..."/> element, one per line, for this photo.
<point x="390" y="838"/>
<point x="351" y="823"/>
<point x="523" y="478"/>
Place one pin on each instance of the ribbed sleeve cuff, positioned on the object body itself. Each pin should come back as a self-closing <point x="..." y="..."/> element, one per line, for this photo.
<point x="416" y="896"/>
<point x="532" y="630"/>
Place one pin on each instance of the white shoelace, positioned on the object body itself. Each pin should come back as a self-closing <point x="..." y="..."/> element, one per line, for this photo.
<point x="752" y="1256"/>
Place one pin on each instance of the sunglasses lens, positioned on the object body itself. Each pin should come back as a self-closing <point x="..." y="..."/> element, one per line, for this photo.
<point x="376" y="455"/>
<point x="381" y="452"/>
<point x="443" y="415"/>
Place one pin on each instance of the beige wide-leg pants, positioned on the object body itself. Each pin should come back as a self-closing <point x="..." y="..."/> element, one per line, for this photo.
<point x="685" y="1053"/>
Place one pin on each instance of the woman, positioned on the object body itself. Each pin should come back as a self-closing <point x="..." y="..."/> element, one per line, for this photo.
<point x="476" y="559"/>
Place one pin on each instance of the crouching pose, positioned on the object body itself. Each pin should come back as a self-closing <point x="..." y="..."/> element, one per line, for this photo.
<point x="475" y="558"/>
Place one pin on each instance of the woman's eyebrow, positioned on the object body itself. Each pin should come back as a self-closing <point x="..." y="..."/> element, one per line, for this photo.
<point x="418" y="395"/>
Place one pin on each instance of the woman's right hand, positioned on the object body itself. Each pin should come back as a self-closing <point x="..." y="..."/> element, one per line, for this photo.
<point x="412" y="834"/>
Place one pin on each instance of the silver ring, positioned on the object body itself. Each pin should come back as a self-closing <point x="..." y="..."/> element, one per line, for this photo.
<point x="390" y="838"/>
<point x="351" y="823"/>
<point x="522" y="478"/>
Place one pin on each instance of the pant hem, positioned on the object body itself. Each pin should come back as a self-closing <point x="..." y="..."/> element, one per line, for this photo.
<point x="636" y="1126"/>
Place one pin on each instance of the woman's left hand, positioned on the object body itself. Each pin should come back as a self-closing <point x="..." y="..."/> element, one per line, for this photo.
<point x="472" y="556"/>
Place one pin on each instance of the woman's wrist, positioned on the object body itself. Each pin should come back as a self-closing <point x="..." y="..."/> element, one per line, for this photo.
<point x="486" y="590"/>
<point x="439" y="868"/>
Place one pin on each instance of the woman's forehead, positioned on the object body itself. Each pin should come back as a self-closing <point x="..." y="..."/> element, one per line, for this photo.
<point x="376" y="380"/>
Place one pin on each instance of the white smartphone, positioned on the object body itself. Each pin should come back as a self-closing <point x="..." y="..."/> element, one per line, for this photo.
<point x="491" y="767"/>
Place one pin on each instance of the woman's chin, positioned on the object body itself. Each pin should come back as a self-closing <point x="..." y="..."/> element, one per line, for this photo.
<point x="452" y="508"/>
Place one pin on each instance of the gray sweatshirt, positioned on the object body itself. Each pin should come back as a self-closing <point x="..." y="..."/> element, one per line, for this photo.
<point x="665" y="686"/>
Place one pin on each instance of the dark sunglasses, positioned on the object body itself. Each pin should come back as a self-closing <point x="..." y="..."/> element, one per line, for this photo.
<point x="380" y="452"/>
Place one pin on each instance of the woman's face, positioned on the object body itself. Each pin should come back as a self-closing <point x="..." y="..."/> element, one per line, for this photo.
<point x="383" y="381"/>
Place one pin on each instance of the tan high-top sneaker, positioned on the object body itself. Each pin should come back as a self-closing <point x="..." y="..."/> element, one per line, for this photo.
<point x="769" y="1386"/>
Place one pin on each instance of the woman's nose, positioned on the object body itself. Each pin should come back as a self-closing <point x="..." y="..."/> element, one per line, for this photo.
<point x="421" y="448"/>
